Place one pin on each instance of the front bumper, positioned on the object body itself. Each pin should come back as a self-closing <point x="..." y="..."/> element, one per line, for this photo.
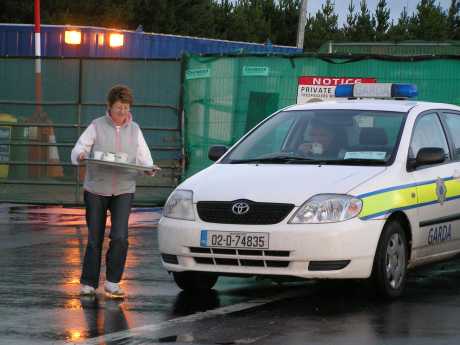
<point x="336" y="250"/>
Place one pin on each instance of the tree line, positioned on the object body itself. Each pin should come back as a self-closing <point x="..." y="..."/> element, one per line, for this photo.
<point x="248" y="20"/>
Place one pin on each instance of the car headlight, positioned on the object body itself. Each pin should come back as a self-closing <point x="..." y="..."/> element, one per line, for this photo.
<point x="180" y="205"/>
<point x="327" y="208"/>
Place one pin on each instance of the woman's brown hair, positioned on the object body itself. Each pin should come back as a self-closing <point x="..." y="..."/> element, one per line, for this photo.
<point x="120" y="93"/>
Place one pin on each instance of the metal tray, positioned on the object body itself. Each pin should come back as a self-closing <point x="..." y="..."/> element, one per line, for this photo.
<point x="122" y="165"/>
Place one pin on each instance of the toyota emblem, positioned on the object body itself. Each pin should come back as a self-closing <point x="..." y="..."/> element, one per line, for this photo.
<point x="240" y="208"/>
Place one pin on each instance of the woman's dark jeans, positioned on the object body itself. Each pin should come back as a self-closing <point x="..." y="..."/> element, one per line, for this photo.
<point x="96" y="215"/>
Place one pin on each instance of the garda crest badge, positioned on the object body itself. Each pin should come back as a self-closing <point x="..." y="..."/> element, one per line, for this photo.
<point x="441" y="190"/>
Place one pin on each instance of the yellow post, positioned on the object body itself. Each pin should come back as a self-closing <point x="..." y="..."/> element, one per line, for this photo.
<point x="5" y="148"/>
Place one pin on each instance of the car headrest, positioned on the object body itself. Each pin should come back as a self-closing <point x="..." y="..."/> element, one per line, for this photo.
<point x="373" y="136"/>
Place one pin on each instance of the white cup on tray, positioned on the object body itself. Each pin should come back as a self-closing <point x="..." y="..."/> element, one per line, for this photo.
<point x="108" y="157"/>
<point x="121" y="157"/>
<point x="97" y="155"/>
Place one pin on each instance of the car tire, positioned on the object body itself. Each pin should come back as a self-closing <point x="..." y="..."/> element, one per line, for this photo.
<point x="389" y="272"/>
<point x="195" y="281"/>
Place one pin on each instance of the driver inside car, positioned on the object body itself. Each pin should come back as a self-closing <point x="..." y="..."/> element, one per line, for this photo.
<point x="320" y="140"/>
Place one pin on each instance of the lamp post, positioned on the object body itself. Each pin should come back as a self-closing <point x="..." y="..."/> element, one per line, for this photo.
<point x="301" y="24"/>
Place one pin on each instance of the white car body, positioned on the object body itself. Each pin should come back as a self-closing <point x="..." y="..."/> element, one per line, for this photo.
<point x="353" y="241"/>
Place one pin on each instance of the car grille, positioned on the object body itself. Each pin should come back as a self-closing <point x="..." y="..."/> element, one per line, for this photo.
<point x="261" y="258"/>
<point x="259" y="212"/>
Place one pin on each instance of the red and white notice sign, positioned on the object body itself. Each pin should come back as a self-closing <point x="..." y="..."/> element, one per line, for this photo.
<point x="313" y="89"/>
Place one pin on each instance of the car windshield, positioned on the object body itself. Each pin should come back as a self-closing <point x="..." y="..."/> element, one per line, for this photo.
<point x="346" y="137"/>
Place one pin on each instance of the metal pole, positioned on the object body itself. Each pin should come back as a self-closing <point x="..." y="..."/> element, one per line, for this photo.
<point x="35" y="133"/>
<point x="301" y="24"/>
<point x="79" y="124"/>
<point x="38" y="64"/>
<point x="181" y="112"/>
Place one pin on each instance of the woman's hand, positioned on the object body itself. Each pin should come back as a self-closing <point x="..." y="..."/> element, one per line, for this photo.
<point x="152" y="172"/>
<point x="82" y="156"/>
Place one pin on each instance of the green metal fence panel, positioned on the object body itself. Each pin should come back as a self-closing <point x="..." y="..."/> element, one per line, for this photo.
<point x="59" y="79"/>
<point x="404" y="48"/>
<point x="36" y="143"/>
<point x="224" y="96"/>
<point x="152" y="81"/>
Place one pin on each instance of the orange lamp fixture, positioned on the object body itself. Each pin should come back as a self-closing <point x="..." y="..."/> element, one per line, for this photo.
<point x="72" y="37"/>
<point x="116" y="40"/>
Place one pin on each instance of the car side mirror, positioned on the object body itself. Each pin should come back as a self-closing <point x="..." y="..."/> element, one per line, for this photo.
<point x="216" y="151"/>
<point x="429" y="155"/>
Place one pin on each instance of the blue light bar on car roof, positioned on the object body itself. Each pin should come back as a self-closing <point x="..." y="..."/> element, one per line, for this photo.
<point x="377" y="90"/>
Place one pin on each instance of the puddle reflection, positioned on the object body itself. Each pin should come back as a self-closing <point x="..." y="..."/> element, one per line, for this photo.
<point x="188" y="303"/>
<point x="183" y="338"/>
<point x="63" y="216"/>
<point x="102" y="316"/>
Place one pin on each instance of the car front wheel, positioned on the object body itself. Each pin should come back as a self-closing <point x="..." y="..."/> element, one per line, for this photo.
<point x="390" y="262"/>
<point x="195" y="281"/>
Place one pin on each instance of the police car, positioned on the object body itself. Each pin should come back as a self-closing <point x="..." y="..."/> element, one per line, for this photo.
<point x="366" y="186"/>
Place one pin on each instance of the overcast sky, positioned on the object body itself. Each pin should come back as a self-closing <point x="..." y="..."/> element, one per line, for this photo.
<point x="396" y="7"/>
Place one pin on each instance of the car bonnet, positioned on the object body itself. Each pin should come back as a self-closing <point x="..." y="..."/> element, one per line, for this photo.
<point x="277" y="183"/>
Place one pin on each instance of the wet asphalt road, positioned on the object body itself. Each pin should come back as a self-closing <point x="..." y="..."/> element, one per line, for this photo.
<point x="41" y="250"/>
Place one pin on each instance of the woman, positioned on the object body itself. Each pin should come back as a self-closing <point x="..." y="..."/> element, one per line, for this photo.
<point x="110" y="188"/>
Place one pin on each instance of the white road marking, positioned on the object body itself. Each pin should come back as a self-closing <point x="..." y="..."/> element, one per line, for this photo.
<point x="149" y="329"/>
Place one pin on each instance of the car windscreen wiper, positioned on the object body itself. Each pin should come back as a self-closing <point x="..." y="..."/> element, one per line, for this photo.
<point x="277" y="159"/>
<point x="356" y="161"/>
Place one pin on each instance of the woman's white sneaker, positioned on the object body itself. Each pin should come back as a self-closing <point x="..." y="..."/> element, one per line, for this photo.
<point x="86" y="290"/>
<point x="113" y="290"/>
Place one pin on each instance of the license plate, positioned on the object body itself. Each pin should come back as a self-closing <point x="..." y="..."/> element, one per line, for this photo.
<point x="230" y="239"/>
